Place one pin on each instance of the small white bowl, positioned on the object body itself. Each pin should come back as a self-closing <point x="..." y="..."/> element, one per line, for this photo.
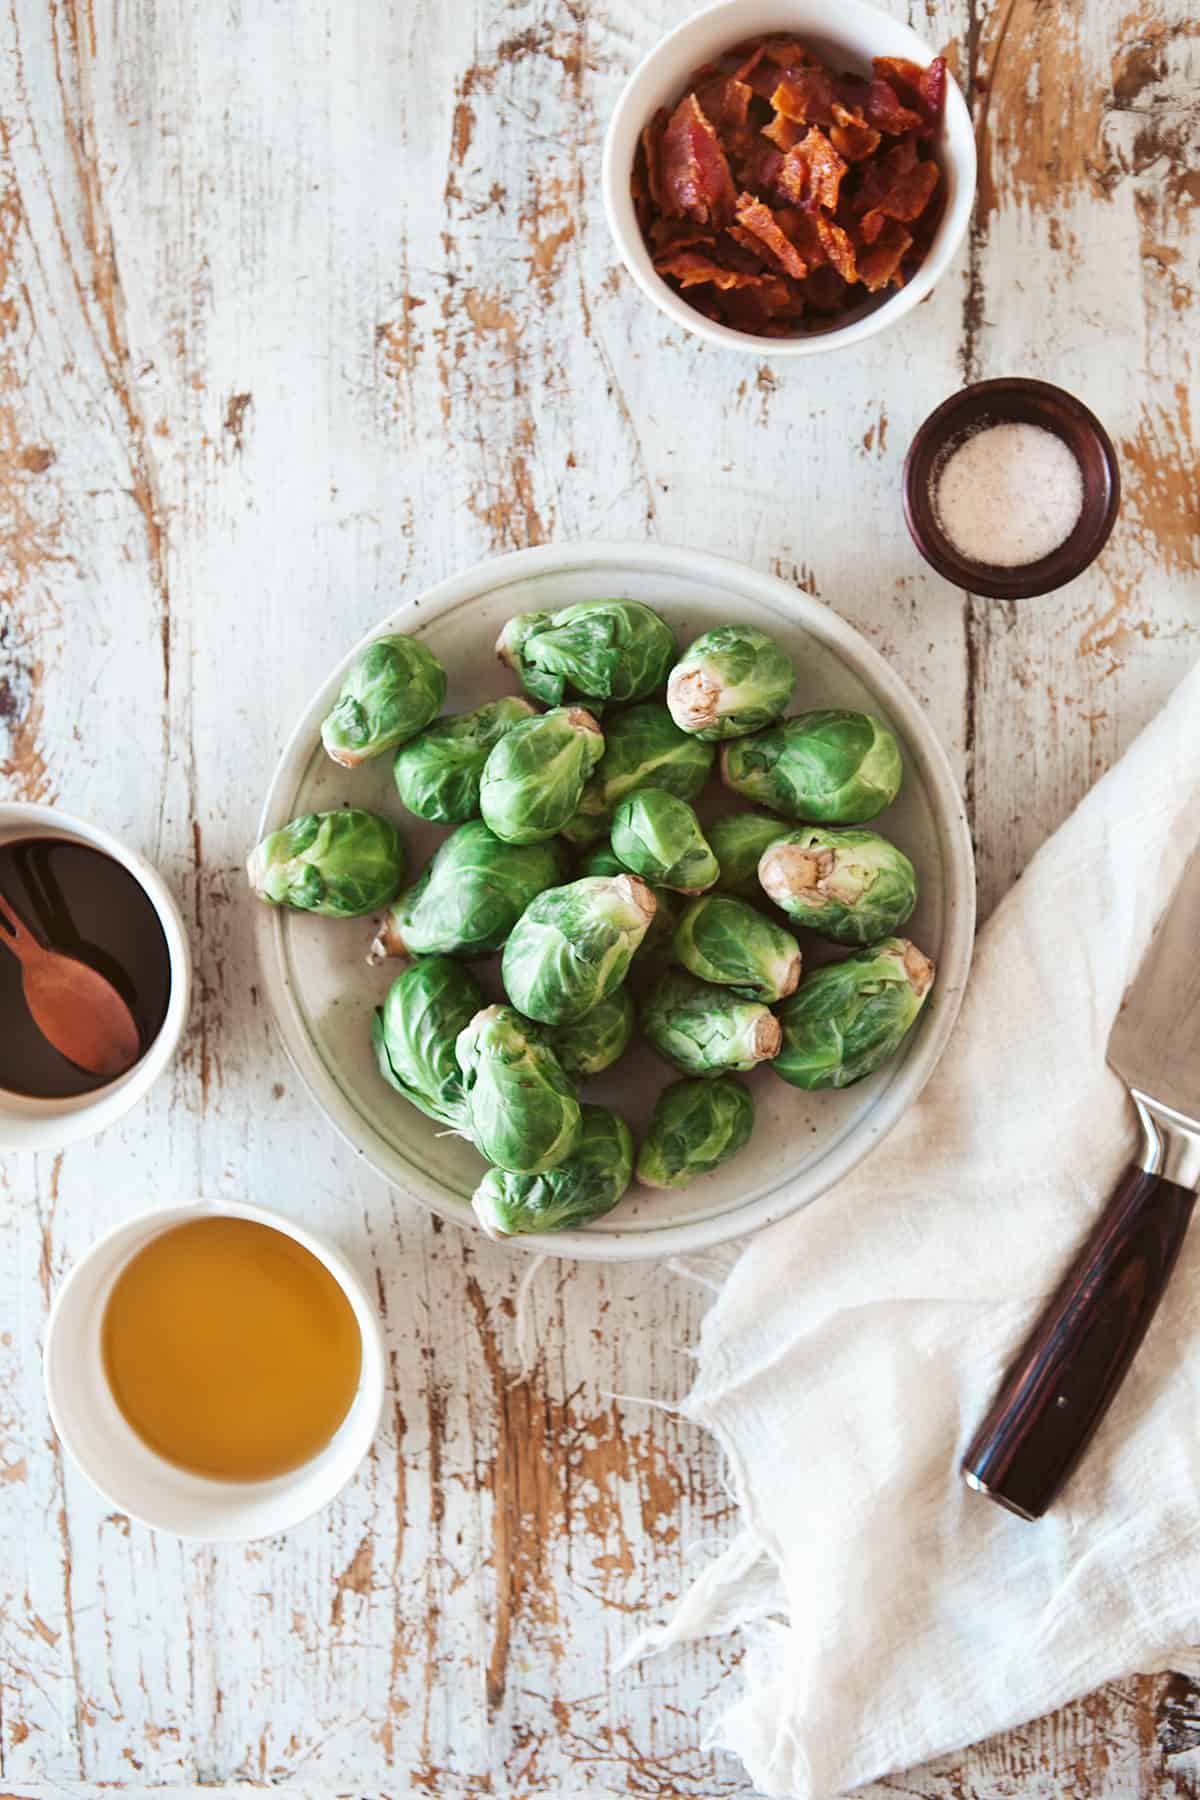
<point x="844" y="33"/>
<point x="31" y="1124"/>
<point x="131" y="1477"/>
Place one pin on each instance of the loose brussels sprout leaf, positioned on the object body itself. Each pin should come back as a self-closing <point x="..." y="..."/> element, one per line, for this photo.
<point x="521" y="1106"/>
<point x="723" y="940"/>
<point x="697" y="1125"/>
<point x="572" y="946"/>
<point x="438" y="773"/>
<point x="603" y="861"/>
<point x="585" y="1186"/>
<point x="534" y="777"/>
<point x="659" y="837"/>
<point x="851" y="886"/>
<point x="589" y="1045"/>
<point x="704" y="1030"/>
<point x="392" y="690"/>
<point x="414" y="1031"/>
<point x="600" y="649"/>
<point x="642" y="748"/>
<point x="843" y="1021"/>
<point x="339" y="864"/>
<point x="738" y="841"/>
<point x="731" y="681"/>
<point x="510" y="648"/>
<point x="833" y="768"/>
<point x="470" y="896"/>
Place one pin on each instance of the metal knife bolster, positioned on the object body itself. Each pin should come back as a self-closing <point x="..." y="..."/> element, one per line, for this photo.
<point x="1170" y="1142"/>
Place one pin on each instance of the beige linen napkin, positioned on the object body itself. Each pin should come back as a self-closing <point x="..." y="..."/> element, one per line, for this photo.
<point x="891" y="1614"/>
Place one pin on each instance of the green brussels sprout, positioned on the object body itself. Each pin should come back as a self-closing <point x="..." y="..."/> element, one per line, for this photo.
<point x="659" y="837"/>
<point x="438" y="774"/>
<point x="697" y="1125"/>
<point x="470" y="895"/>
<point x="731" y="681"/>
<point x="724" y="941"/>
<point x="705" y="1030"/>
<point x="851" y="886"/>
<point x="603" y="861"/>
<point x="534" y="777"/>
<point x="585" y="1186"/>
<point x="642" y="748"/>
<point x="738" y="841"/>
<point x="593" y="1043"/>
<point x="510" y="648"/>
<point x="843" y="1021"/>
<point x="833" y="768"/>
<point x="339" y="864"/>
<point x="521" y="1106"/>
<point x="600" y="649"/>
<point x="391" y="691"/>
<point x="414" y="1031"/>
<point x="572" y="946"/>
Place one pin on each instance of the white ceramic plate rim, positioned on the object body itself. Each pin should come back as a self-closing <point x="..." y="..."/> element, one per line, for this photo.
<point x="954" y="959"/>
<point x="642" y="93"/>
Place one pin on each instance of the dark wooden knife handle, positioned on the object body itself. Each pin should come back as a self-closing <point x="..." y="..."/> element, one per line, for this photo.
<point x="1062" y="1381"/>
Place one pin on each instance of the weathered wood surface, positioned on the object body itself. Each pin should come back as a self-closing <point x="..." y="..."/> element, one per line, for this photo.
<point x="304" y="305"/>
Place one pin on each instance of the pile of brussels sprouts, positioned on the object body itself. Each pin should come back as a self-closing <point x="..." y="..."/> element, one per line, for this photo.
<point x="576" y="852"/>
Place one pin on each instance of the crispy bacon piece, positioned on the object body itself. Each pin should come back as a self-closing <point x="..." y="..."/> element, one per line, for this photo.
<point x="850" y="134"/>
<point x="726" y="102"/>
<point x="677" y="234"/>
<point x="906" y="199"/>
<point x="690" y="268"/>
<point x="885" y="112"/>
<point x="695" y="174"/>
<point x="881" y="263"/>
<point x="812" y="172"/>
<point x="825" y="291"/>
<point x="805" y="95"/>
<point x="783" y="132"/>
<point x="838" y="248"/>
<point x="756" y="217"/>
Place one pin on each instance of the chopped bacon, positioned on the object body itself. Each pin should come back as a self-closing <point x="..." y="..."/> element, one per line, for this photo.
<point x="812" y="172"/>
<point x="805" y="95"/>
<point x="850" y="134"/>
<point x="881" y="263"/>
<point x="780" y="193"/>
<point x="695" y="173"/>
<point x="757" y="218"/>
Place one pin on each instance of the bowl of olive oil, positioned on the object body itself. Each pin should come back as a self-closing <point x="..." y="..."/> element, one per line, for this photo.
<point x="215" y="1370"/>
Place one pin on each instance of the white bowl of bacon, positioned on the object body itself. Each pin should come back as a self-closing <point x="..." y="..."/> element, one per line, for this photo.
<point x="789" y="178"/>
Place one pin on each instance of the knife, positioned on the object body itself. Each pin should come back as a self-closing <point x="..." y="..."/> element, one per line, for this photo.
<point x="1063" y="1379"/>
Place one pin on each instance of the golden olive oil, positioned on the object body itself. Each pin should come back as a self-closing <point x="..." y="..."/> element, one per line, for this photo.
<point x="230" y="1349"/>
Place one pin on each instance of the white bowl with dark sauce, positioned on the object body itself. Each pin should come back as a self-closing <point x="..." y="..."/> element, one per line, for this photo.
<point x="80" y="890"/>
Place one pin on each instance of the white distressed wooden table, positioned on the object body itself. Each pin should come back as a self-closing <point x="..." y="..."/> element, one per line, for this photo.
<point x="305" y="305"/>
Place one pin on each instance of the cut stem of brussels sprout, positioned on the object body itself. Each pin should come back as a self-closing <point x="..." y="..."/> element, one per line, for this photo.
<point x="852" y="886"/>
<point x="585" y="1186"/>
<point x="830" y="768"/>
<point x="392" y="689"/>
<point x="522" y="1109"/>
<point x="339" y="864"/>
<point x="697" y="1126"/>
<point x="572" y="946"/>
<point x="705" y="1030"/>
<point x="724" y="941"/>
<point x="533" y="779"/>
<point x="438" y="773"/>
<point x="731" y="681"/>
<point x="659" y="836"/>
<point x="470" y="896"/>
<point x="844" y="1021"/>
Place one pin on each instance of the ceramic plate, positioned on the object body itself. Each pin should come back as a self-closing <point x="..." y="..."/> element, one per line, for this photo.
<point x="322" y="992"/>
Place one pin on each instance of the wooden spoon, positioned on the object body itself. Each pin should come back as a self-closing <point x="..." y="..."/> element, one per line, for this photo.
<point x="73" y="1006"/>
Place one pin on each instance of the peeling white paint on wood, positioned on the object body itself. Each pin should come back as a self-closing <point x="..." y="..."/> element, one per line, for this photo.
<point x="302" y="307"/>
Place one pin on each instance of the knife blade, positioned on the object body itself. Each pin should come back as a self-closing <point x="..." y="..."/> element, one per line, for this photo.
<point x="1155" y="1041"/>
<point x="1066" y="1374"/>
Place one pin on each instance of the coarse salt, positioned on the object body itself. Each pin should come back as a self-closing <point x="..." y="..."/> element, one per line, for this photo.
<point x="1009" y="495"/>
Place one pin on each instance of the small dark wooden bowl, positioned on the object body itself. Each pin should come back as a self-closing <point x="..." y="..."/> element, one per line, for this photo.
<point x="1013" y="400"/>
